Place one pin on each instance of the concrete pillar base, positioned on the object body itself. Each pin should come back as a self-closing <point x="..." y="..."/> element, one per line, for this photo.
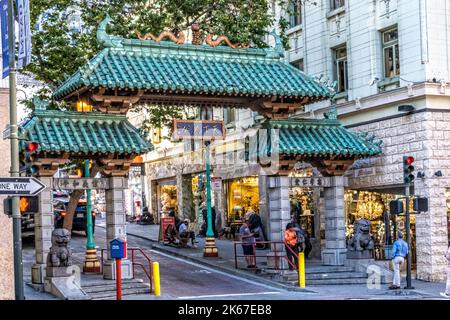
<point x="38" y="273"/>
<point x="109" y="269"/>
<point x="210" y="249"/>
<point x="65" y="288"/>
<point x="91" y="262"/>
<point x="334" y="257"/>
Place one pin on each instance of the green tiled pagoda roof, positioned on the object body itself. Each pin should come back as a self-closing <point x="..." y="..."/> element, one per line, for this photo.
<point x="83" y="133"/>
<point x="321" y="138"/>
<point x="167" y="67"/>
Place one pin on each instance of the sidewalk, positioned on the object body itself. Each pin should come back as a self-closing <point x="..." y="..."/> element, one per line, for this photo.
<point x="226" y="263"/>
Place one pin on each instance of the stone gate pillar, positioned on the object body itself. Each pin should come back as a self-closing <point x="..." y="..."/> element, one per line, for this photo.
<point x="115" y="225"/>
<point x="279" y="212"/>
<point x="43" y="228"/>
<point x="335" y="249"/>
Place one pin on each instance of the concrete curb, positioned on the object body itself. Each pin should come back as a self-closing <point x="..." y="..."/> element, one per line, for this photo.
<point x="157" y="247"/>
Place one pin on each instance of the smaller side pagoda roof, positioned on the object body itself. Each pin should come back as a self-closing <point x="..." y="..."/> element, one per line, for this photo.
<point x="321" y="138"/>
<point x="83" y="133"/>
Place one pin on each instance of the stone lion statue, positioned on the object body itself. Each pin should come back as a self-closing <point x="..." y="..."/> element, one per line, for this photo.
<point x="60" y="253"/>
<point x="361" y="239"/>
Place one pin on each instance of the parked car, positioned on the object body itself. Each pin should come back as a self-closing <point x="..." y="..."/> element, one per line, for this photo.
<point x="79" y="217"/>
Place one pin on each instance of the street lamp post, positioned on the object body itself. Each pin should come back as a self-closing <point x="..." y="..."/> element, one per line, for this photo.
<point x="210" y="249"/>
<point x="91" y="262"/>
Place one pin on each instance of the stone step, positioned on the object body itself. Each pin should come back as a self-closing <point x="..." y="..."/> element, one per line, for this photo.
<point x="335" y="275"/>
<point x="328" y="269"/>
<point x="111" y="295"/>
<point x="325" y="282"/>
<point x="112" y="287"/>
<point x="101" y="289"/>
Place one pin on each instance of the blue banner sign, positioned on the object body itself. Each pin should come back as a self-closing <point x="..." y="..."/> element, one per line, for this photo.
<point x="23" y="14"/>
<point x="5" y="42"/>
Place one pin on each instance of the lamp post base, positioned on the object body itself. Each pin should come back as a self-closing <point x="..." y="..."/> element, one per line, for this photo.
<point x="210" y="249"/>
<point x="91" y="263"/>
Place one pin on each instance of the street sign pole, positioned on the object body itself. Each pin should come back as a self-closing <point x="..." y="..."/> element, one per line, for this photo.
<point x="408" y="239"/>
<point x="17" y="220"/>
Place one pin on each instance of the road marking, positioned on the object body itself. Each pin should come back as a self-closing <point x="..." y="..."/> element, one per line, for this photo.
<point x="217" y="271"/>
<point x="229" y="295"/>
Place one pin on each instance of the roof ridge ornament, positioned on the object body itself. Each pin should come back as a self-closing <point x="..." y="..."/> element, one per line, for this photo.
<point x="331" y="114"/>
<point x="105" y="39"/>
<point x="165" y="34"/>
<point x="277" y="51"/>
<point x="214" y="43"/>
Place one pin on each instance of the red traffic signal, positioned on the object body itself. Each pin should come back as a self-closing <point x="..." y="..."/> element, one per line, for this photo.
<point x="32" y="146"/>
<point x="409" y="160"/>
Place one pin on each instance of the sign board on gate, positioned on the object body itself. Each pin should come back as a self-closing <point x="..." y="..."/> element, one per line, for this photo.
<point x="81" y="183"/>
<point x="18" y="186"/>
<point x="198" y="129"/>
<point x="216" y="183"/>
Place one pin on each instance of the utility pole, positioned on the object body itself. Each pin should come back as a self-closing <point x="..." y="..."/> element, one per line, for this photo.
<point x="14" y="140"/>
<point x="408" y="238"/>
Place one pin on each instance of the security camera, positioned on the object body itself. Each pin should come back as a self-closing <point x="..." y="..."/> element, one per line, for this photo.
<point x="373" y="81"/>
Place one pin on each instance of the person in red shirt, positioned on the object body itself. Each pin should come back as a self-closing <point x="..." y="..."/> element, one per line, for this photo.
<point x="290" y="240"/>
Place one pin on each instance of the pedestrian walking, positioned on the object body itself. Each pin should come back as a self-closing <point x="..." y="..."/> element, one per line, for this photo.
<point x="446" y="294"/>
<point x="399" y="252"/>
<point x="248" y="244"/>
<point x="291" y="243"/>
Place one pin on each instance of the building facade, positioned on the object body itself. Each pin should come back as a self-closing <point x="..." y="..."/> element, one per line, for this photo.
<point x="381" y="54"/>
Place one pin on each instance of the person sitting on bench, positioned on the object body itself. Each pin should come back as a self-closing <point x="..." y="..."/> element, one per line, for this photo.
<point x="185" y="233"/>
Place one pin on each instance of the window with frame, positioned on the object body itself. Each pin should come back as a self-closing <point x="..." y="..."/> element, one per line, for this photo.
<point x="391" y="56"/>
<point x="295" y="13"/>
<point x="335" y="4"/>
<point x="298" y="64"/>
<point x="340" y="70"/>
<point x="229" y="115"/>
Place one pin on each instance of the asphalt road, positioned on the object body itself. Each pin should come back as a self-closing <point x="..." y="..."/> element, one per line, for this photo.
<point x="181" y="279"/>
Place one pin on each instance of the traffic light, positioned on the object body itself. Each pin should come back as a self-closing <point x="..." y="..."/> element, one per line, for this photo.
<point x="420" y="204"/>
<point x="31" y="150"/>
<point x="26" y="205"/>
<point x="396" y="206"/>
<point x="408" y="169"/>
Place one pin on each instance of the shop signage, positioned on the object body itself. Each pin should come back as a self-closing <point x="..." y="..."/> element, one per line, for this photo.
<point x="81" y="183"/>
<point x="216" y="183"/>
<point x="165" y="222"/>
<point x="198" y="129"/>
<point x="310" y="182"/>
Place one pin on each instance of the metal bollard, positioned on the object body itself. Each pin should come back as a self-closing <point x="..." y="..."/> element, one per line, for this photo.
<point x="301" y="270"/>
<point x="156" y="279"/>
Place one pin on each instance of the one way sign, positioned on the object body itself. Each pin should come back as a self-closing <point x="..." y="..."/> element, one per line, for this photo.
<point x="17" y="186"/>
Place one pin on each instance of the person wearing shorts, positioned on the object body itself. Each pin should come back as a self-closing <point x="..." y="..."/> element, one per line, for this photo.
<point x="248" y="244"/>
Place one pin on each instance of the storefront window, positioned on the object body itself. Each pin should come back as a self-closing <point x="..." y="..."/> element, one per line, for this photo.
<point x="168" y="199"/>
<point x="374" y="207"/>
<point x="243" y="195"/>
<point x="303" y="208"/>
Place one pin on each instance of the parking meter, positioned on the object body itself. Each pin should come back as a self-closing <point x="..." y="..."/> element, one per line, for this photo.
<point x="118" y="251"/>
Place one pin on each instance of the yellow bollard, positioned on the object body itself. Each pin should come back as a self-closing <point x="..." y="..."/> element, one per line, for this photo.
<point x="156" y="279"/>
<point x="301" y="270"/>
